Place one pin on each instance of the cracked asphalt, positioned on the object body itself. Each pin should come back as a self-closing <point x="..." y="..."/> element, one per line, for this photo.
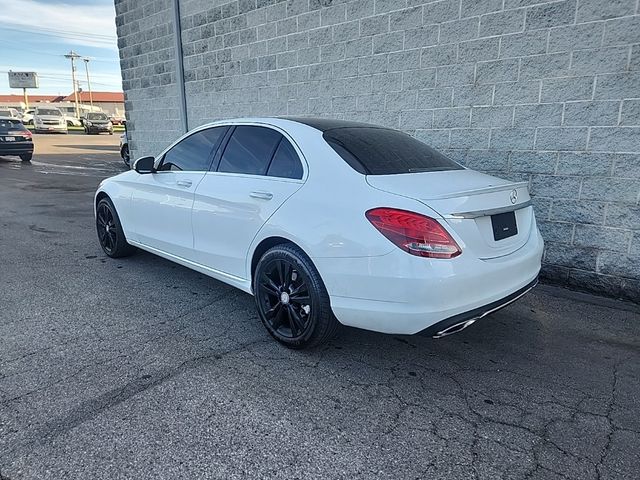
<point x="141" y="369"/>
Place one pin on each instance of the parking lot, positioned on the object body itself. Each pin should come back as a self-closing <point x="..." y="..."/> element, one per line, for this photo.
<point x="140" y="368"/>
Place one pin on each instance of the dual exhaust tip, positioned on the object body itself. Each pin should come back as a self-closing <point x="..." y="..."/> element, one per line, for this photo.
<point x="455" y="328"/>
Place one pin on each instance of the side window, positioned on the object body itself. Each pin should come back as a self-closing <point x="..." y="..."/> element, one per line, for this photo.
<point x="285" y="163"/>
<point x="249" y="150"/>
<point x="194" y="152"/>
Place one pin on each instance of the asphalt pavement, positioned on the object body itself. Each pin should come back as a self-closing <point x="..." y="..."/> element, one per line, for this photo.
<point x="138" y="368"/>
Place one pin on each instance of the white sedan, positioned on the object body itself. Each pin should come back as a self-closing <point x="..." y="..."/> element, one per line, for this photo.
<point x="329" y="222"/>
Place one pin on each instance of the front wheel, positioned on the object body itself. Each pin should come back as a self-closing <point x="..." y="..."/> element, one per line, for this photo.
<point x="110" y="233"/>
<point x="292" y="300"/>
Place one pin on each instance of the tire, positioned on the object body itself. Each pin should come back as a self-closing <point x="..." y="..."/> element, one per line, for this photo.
<point x="124" y="153"/>
<point x="110" y="132"/>
<point x="26" y="157"/>
<point x="291" y="298"/>
<point x="109" y="230"/>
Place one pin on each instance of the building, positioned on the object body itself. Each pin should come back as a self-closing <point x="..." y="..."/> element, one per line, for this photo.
<point x="542" y="91"/>
<point x="112" y="103"/>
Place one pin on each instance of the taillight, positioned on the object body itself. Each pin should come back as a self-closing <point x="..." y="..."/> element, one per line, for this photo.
<point x="19" y="133"/>
<point x="414" y="233"/>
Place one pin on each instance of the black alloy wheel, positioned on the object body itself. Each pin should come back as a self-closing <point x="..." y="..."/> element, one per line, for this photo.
<point x="292" y="300"/>
<point x="124" y="153"/>
<point x="110" y="233"/>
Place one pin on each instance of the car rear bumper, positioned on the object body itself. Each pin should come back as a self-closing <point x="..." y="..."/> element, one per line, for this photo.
<point x="403" y="294"/>
<point x="51" y="128"/>
<point x="15" y="148"/>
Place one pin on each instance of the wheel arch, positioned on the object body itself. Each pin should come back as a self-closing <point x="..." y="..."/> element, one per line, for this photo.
<point x="264" y="245"/>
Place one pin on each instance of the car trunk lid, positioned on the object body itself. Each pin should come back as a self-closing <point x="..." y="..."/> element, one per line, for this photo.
<point x="479" y="208"/>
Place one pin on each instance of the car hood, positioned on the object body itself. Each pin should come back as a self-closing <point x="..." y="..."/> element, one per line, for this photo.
<point x="48" y="117"/>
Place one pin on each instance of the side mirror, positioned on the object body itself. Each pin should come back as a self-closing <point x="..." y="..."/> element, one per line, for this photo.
<point x="144" y="165"/>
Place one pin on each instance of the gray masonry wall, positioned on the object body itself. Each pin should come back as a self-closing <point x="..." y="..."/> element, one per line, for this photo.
<point x="542" y="91"/>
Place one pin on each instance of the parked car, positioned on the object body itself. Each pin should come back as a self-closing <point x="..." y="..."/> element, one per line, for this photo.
<point x="15" y="139"/>
<point x="124" y="149"/>
<point x="27" y="117"/>
<point x="117" y="120"/>
<point x="49" y="119"/>
<point x="10" y="113"/>
<point x="97" y="122"/>
<point x="72" y="120"/>
<point x="329" y="222"/>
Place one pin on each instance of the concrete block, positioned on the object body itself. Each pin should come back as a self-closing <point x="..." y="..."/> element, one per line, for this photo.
<point x="619" y="190"/>
<point x="469" y="138"/>
<point x="540" y="115"/>
<point x="421" y="37"/>
<point x="416" y="119"/>
<point x="626" y="166"/>
<point x="556" y="186"/>
<point x="512" y="138"/>
<point x="523" y="44"/>
<point x="630" y="114"/>
<point x="600" y="60"/>
<point x="472" y="95"/>
<point x="514" y="93"/>
<point x="551" y="15"/>
<point x="418" y="79"/>
<point x="459" y="30"/>
<point x="588" y="164"/>
<point x="562" y="138"/>
<point x="451" y="117"/>
<point x="566" y="89"/>
<point x="388" y="42"/>
<point x="501" y="23"/>
<point x="615" y="139"/>
<point x="570" y="37"/>
<point x="451" y="75"/>
<point x="407" y="60"/>
<point x="497" y="71"/>
<point x="545" y="66"/>
<point x="405" y="19"/>
<point x="438" y="55"/>
<point x="435" y="97"/>
<point x="478" y="50"/>
<point x="601" y="237"/>
<point x="492" y="117"/>
<point x="591" y="113"/>
<point x="617" y="86"/>
<point x="471" y="8"/>
<point x="590" y="10"/>
<point x="442" y="11"/>
<point x="533" y="162"/>
<point x="434" y="138"/>
<point x="578" y="211"/>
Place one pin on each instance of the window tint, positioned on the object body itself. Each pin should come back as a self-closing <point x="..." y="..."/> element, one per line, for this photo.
<point x="7" y="124"/>
<point x="249" y="150"/>
<point x="194" y="152"/>
<point x="382" y="151"/>
<point x="285" y="163"/>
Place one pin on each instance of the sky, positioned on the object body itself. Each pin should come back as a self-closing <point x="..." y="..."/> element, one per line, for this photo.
<point x="37" y="33"/>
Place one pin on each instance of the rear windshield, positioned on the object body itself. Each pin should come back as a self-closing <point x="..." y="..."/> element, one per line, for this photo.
<point x="7" y="124"/>
<point x="5" y="113"/>
<point x="96" y="116"/>
<point x="49" y="111"/>
<point x="382" y="151"/>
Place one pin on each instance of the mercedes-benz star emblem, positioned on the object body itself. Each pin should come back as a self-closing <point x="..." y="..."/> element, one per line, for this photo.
<point x="513" y="196"/>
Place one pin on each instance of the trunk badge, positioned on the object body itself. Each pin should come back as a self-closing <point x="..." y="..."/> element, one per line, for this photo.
<point x="513" y="196"/>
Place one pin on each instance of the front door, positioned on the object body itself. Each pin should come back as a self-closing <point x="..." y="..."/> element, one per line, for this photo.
<point x="162" y="201"/>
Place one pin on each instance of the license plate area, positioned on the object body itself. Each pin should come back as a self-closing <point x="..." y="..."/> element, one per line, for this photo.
<point x="10" y="139"/>
<point x="504" y="225"/>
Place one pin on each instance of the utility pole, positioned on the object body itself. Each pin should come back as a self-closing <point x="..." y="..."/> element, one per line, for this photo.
<point x="73" y="55"/>
<point x="86" y="67"/>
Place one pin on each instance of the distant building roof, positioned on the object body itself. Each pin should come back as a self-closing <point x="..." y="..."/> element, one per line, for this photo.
<point x="98" y="97"/>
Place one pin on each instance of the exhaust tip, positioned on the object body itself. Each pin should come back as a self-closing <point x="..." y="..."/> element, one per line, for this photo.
<point x="455" y="328"/>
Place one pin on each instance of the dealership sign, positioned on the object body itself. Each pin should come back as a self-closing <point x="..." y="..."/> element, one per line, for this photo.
<point x="23" y="79"/>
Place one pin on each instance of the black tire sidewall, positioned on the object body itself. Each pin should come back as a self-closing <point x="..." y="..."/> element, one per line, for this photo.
<point x="321" y="313"/>
<point x="122" y="248"/>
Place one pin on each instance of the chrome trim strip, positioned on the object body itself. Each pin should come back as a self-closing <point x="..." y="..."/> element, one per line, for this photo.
<point x="491" y="211"/>
<point x="476" y="191"/>
<point x="466" y="323"/>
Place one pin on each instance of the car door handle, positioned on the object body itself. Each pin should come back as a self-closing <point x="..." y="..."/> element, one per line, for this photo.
<point x="184" y="183"/>
<point x="262" y="195"/>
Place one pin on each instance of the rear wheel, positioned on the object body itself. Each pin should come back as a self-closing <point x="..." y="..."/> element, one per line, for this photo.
<point x="292" y="300"/>
<point x="110" y="233"/>
<point x="26" y="157"/>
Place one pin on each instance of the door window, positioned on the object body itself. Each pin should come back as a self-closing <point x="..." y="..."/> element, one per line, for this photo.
<point x="194" y="152"/>
<point x="249" y="150"/>
<point x="285" y="162"/>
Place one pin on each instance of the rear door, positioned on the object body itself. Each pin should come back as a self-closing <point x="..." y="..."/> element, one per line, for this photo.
<point x="162" y="201"/>
<point x="257" y="171"/>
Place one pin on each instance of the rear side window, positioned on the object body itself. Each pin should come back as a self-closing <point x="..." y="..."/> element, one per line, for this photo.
<point x="285" y="162"/>
<point x="382" y="151"/>
<point x="6" y="124"/>
<point x="249" y="150"/>
<point x="194" y="152"/>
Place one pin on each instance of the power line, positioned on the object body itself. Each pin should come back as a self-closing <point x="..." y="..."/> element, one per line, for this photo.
<point x="55" y="31"/>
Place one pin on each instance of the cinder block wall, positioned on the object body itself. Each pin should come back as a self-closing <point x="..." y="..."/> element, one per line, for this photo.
<point x="542" y="91"/>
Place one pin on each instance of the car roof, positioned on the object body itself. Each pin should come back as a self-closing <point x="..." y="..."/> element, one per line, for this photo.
<point x="317" y="123"/>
